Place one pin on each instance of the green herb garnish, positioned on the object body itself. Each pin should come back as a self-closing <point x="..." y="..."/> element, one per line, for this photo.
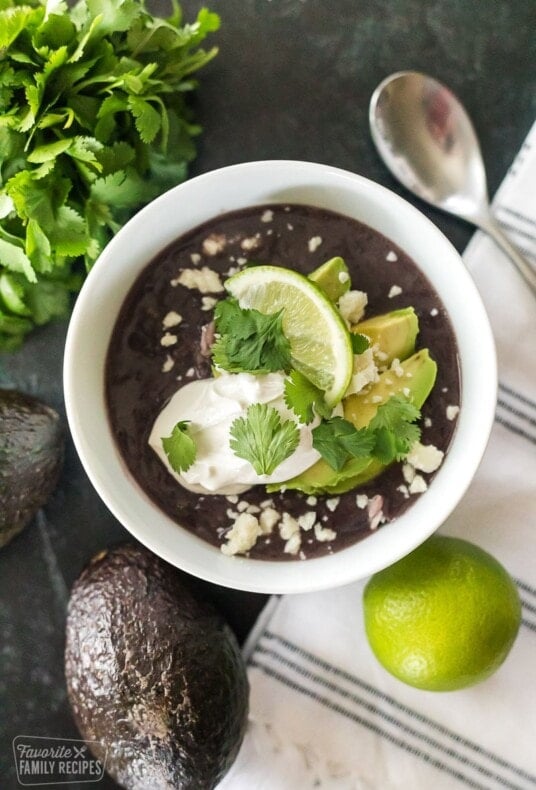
<point x="179" y="447"/>
<point x="304" y="398"/>
<point x="249" y="341"/>
<point x="360" y="343"/>
<point x="388" y="437"/>
<point x="395" y="429"/>
<point x="94" y="122"/>
<point x="337" y="440"/>
<point x="263" y="439"/>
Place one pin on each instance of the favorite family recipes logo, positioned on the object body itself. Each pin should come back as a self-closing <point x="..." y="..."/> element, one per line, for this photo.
<point x="47" y="761"/>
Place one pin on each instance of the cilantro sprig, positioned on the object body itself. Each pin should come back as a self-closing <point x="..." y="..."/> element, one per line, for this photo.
<point x="180" y="448"/>
<point x="263" y="439"/>
<point x="249" y="341"/>
<point x="304" y="398"/>
<point x="94" y="122"/>
<point x="389" y="436"/>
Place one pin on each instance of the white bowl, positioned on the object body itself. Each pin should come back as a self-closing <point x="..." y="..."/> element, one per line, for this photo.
<point x="187" y="206"/>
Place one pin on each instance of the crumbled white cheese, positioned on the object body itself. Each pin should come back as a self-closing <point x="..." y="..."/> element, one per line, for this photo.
<point x="452" y="412"/>
<point x="253" y="509"/>
<point x="397" y="368"/>
<point x="232" y="498"/>
<point x="242" y="535"/>
<point x="267" y="503"/>
<point x="251" y="243"/>
<point x="242" y="506"/>
<point x="352" y="306"/>
<point x="427" y="422"/>
<point x="214" y="244"/>
<point x="204" y="280"/>
<point x="168" y="340"/>
<point x="376" y="399"/>
<point x="375" y="511"/>
<point x="168" y="364"/>
<point x="307" y="520"/>
<point x="267" y="216"/>
<point x="418" y="485"/>
<point x="268" y="519"/>
<point x="364" y="372"/>
<point x="314" y="243"/>
<point x="332" y="504"/>
<point x="190" y="372"/>
<point x="406" y="391"/>
<point x="391" y="256"/>
<point x="208" y="302"/>
<point x="289" y="226"/>
<point x="434" y="311"/>
<point x="323" y="534"/>
<point x="241" y="261"/>
<point x="395" y="291"/>
<point x="404" y="491"/>
<point x="425" y="457"/>
<point x="361" y="501"/>
<point x="288" y="526"/>
<point x="292" y="546"/>
<point x="311" y="500"/>
<point x="408" y="472"/>
<point x="195" y="258"/>
<point x="171" y="319"/>
<point x="344" y="277"/>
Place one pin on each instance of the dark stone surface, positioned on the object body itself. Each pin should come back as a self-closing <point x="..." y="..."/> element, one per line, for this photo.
<point x="292" y="80"/>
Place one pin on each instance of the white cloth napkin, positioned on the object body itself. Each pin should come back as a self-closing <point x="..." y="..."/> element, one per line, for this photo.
<point x="324" y="713"/>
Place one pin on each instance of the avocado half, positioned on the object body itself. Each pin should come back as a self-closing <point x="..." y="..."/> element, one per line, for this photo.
<point x="154" y="675"/>
<point x="32" y="442"/>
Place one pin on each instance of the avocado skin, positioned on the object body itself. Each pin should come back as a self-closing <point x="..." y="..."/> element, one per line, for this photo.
<point x="32" y="441"/>
<point x="153" y="674"/>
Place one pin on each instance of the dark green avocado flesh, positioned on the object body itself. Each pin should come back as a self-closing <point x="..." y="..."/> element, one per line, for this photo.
<point x="31" y="457"/>
<point x="153" y="674"/>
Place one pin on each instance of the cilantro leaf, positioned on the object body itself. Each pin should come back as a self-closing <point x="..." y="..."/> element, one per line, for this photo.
<point x="95" y="121"/>
<point x="179" y="447"/>
<point x="337" y="440"/>
<point x="388" y="437"/>
<point x="360" y="343"/>
<point x="397" y="417"/>
<point x="304" y="398"/>
<point x="263" y="439"/>
<point x="249" y="341"/>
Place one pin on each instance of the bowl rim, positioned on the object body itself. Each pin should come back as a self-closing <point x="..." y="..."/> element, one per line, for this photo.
<point x="386" y="545"/>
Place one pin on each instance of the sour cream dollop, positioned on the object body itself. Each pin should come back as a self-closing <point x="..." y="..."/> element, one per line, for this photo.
<point x="211" y="406"/>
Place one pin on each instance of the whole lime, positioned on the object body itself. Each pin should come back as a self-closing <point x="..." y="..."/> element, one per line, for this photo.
<point x="444" y="617"/>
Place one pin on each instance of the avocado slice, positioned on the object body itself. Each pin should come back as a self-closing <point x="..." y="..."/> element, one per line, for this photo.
<point x="419" y="374"/>
<point x="154" y="675"/>
<point x="31" y="457"/>
<point x="394" y="333"/>
<point x="333" y="278"/>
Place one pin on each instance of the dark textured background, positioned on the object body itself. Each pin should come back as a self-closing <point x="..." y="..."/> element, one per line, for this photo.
<point x="292" y="80"/>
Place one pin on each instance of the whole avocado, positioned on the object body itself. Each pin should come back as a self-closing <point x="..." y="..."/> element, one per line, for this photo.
<point x="31" y="458"/>
<point x="154" y="675"/>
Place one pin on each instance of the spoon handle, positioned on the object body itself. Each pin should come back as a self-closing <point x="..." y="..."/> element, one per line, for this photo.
<point x="490" y="226"/>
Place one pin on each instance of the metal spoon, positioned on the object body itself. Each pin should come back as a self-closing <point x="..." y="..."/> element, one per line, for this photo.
<point x="427" y="141"/>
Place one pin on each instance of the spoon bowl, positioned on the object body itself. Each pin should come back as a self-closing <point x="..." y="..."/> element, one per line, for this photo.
<point x="426" y="139"/>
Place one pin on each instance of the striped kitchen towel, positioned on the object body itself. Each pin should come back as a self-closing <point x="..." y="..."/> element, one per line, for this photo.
<point x="324" y="714"/>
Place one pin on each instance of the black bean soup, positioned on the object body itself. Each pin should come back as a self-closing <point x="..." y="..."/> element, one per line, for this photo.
<point x="150" y="357"/>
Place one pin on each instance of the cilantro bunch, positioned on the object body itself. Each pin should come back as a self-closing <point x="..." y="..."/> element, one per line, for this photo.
<point x="94" y="122"/>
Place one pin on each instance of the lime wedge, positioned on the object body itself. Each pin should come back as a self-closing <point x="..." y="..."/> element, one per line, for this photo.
<point x="319" y="340"/>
